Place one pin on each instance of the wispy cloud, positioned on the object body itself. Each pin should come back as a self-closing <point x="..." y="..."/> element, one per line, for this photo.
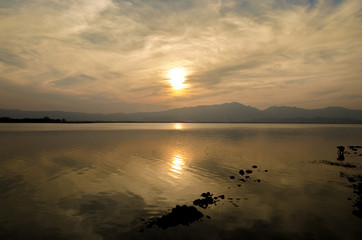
<point x="254" y="52"/>
<point x="9" y="58"/>
<point x="73" y="80"/>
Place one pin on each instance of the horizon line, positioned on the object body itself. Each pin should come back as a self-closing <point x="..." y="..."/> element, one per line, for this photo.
<point x="8" y="109"/>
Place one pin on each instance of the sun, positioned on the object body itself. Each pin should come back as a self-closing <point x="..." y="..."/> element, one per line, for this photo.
<point x="177" y="78"/>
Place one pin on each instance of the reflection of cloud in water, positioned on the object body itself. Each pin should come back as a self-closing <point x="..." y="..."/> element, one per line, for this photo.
<point x="108" y="214"/>
<point x="9" y="183"/>
<point x="177" y="164"/>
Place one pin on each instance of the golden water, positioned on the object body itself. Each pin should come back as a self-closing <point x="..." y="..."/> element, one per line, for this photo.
<point x="97" y="181"/>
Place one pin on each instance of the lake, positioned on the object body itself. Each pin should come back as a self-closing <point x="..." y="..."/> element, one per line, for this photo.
<point x="125" y="181"/>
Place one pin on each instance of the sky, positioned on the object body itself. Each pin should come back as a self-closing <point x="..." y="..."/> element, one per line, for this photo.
<point x="106" y="56"/>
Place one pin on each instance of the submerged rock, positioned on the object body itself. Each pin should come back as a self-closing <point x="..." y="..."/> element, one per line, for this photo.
<point x="354" y="148"/>
<point x="180" y="215"/>
<point x="358" y="203"/>
<point x="351" y="179"/>
<point x="357" y="191"/>
<point x="346" y="165"/>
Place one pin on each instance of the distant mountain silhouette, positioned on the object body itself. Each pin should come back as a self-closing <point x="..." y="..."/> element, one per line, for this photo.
<point x="227" y="112"/>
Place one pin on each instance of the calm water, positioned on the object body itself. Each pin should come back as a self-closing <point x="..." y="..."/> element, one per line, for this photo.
<point x="108" y="181"/>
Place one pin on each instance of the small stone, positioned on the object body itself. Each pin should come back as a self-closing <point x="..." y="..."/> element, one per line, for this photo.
<point x="351" y="179"/>
<point x="232" y="177"/>
<point x="341" y="148"/>
<point x="206" y="194"/>
<point x="242" y="172"/>
<point x="248" y="171"/>
<point x="266" y="170"/>
<point x="254" y="166"/>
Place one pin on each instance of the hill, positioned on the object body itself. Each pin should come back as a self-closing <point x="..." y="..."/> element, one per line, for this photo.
<point x="227" y="112"/>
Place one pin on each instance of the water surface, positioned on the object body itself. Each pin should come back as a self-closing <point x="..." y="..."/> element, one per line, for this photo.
<point x="104" y="181"/>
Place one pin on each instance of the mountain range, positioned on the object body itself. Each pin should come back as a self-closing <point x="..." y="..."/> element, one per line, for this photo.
<point x="227" y="112"/>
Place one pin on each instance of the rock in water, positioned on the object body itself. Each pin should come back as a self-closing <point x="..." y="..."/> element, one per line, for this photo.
<point x="180" y="215"/>
<point x="207" y="199"/>
<point x="340" y="153"/>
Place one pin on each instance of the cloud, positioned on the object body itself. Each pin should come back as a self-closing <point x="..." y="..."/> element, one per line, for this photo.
<point x="10" y="58"/>
<point x="97" y="38"/>
<point x="232" y="50"/>
<point x="63" y="101"/>
<point x="73" y="80"/>
<point x="11" y="4"/>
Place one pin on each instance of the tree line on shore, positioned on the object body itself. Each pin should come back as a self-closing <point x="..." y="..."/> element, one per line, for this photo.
<point x="32" y="120"/>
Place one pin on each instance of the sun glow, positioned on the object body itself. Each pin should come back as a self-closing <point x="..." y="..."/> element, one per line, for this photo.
<point x="177" y="78"/>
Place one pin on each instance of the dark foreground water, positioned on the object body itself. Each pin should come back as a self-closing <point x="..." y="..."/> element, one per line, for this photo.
<point x="124" y="181"/>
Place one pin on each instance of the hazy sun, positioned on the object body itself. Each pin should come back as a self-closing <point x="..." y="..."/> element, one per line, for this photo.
<point x="177" y="78"/>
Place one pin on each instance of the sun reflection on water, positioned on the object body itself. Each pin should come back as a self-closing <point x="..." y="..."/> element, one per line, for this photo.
<point x="178" y="163"/>
<point x="178" y="126"/>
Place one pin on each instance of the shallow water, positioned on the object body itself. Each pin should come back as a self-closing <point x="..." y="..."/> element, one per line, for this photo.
<point x="104" y="181"/>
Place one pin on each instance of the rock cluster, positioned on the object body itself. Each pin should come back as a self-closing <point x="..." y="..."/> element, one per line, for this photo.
<point x="206" y="200"/>
<point x="180" y="215"/>
<point x="185" y="215"/>
<point x="357" y="191"/>
<point x="356" y="180"/>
